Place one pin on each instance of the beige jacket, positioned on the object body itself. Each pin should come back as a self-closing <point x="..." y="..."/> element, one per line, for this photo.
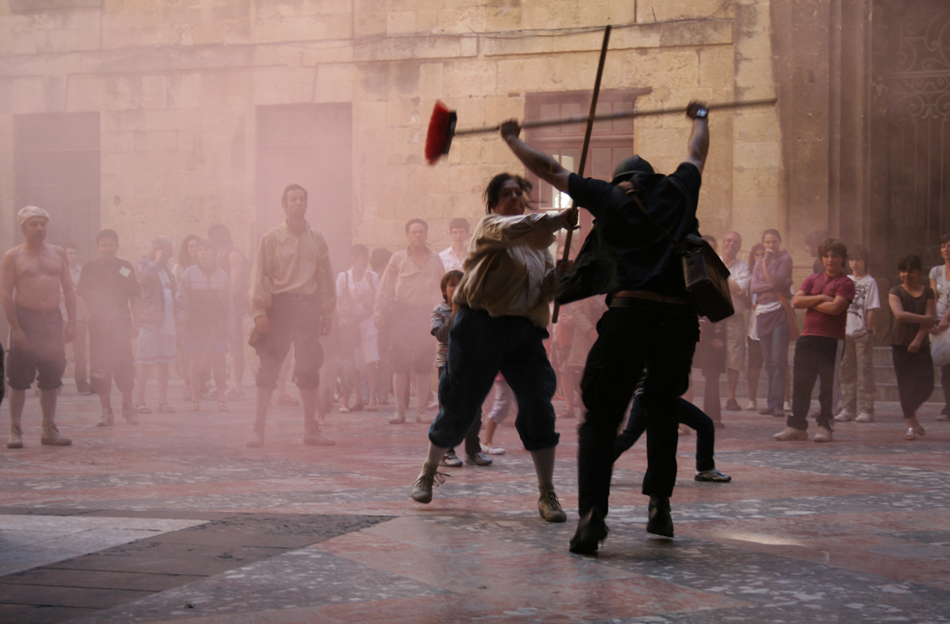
<point x="509" y="270"/>
<point x="288" y="263"/>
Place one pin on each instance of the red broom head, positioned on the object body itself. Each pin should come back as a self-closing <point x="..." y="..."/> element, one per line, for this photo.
<point x="441" y="131"/>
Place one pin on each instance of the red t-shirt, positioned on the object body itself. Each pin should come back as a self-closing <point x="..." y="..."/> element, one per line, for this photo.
<point x="821" y="324"/>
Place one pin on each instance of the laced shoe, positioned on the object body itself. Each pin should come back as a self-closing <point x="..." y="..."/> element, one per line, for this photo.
<point x="844" y="416"/>
<point x="864" y="417"/>
<point x="106" y="419"/>
<point x="660" y="521"/>
<point x="257" y="439"/>
<point x="315" y="437"/>
<point x="823" y="435"/>
<point x="790" y="433"/>
<point x="591" y="531"/>
<point x="52" y="437"/>
<point x="751" y="406"/>
<point x="398" y="418"/>
<point x="713" y="475"/>
<point x="128" y="412"/>
<point x="450" y="460"/>
<point x="16" y="437"/>
<point x="478" y="459"/>
<point x="429" y="477"/>
<point x="549" y="506"/>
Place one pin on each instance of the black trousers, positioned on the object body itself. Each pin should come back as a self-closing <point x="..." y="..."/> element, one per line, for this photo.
<point x="687" y="414"/>
<point x="814" y="358"/>
<point x="661" y="338"/>
<point x="473" y="444"/>
<point x="915" y="377"/>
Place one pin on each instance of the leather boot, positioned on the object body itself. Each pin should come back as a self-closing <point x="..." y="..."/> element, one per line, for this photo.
<point x="660" y="521"/>
<point x="52" y="437"/>
<point x="16" y="437"/>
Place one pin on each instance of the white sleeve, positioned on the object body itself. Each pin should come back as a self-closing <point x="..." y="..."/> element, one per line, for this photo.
<point x="874" y="298"/>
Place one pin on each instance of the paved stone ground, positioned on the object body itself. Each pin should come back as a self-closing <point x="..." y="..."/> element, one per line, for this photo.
<point x="175" y="520"/>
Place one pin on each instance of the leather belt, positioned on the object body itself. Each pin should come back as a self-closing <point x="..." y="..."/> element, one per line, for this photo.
<point x="646" y="295"/>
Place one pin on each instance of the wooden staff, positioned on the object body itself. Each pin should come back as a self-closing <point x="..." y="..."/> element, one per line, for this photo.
<point x="583" y="163"/>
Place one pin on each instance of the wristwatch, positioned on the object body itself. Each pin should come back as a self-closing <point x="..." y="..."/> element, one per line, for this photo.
<point x="702" y="114"/>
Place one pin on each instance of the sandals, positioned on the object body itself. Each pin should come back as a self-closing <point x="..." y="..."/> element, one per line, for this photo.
<point x="195" y="406"/>
<point x="142" y="408"/>
<point x="223" y="407"/>
<point x="165" y="408"/>
<point x="913" y="432"/>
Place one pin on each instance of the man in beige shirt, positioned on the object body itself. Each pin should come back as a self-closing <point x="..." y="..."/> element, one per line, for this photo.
<point x="503" y="311"/>
<point x="408" y="290"/>
<point x="292" y="298"/>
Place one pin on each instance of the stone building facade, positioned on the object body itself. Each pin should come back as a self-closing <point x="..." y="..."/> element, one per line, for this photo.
<point x="163" y="117"/>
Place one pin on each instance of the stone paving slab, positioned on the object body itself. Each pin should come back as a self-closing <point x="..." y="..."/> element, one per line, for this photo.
<point x="850" y="531"/>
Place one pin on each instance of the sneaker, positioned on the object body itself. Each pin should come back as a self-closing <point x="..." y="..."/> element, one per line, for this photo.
<point x="865" y="417"/>
<point x="778" y="412"/>
<point x="751" y="405"/>
<point x="844" y="416"/>
<point x="422" y="418"/>
<point x="550" y="507"/>
<point x="128" y="413"/>
<point x="788" y="406"/>
<point x="257" y="439"/>
<point x="766" y="411"/>
<point x="566" y="414"/>
<point x="234" y="394"/>
<point x="16" y="438"/>
<point x="398" y="418"/>
<point x="790" y="433"/>
<point x="52" y="437"/>
<point x="316" y="438"/>
<point x="422" y="488"/>
<point x="450" y="460"/>
<point x="660" y="522"/>
<point x="713" y="475"/>
<point x="591" y="531"/>
<point x="478" y="459"/>
<point x="107" y="418"/>
<point x="492" y="450"/>
<point x="823" y="435"/>
<point x="733" y="406"/>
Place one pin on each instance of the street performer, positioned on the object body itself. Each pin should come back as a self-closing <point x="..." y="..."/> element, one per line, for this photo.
<point x="503" y="311"/>
<point x="649" y="324"/>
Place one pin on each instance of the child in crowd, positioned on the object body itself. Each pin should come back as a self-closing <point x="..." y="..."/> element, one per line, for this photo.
<point x="443" y="317"/>
<point x="825" y="297"/>
<point x="109" y="298"/>
<point x="203" y="300"/>
<point x="913" y="306"/>
<point x="857" y="365"/>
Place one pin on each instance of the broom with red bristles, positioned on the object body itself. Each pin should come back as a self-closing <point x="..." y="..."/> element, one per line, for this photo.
<point x="442" y="123"/>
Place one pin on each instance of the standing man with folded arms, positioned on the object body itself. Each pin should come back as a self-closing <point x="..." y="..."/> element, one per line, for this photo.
<point x="649" y="323"/>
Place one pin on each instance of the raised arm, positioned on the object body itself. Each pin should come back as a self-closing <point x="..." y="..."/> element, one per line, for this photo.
<point x="542" y="165"/>
<point x="698" y="145"/>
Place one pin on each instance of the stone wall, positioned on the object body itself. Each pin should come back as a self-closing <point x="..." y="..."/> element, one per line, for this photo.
<point x="177" y="83"/>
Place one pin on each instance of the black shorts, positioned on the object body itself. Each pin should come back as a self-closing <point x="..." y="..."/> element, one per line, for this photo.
<point x="110" y="357"/>
<point x="413" y="345"/>
<point x="44" y="359"/>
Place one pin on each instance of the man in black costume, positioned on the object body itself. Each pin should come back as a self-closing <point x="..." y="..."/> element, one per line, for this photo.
<point x="649" y="324"/>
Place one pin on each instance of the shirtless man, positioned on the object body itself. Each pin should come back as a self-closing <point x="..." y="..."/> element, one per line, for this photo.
<point x="32" y="276"/>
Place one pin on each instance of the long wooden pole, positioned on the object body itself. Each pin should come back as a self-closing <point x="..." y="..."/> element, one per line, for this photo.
<point x="582" y="164"/>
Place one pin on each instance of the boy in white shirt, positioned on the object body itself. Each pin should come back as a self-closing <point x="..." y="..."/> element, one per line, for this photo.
<point x="857" y="365"/>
